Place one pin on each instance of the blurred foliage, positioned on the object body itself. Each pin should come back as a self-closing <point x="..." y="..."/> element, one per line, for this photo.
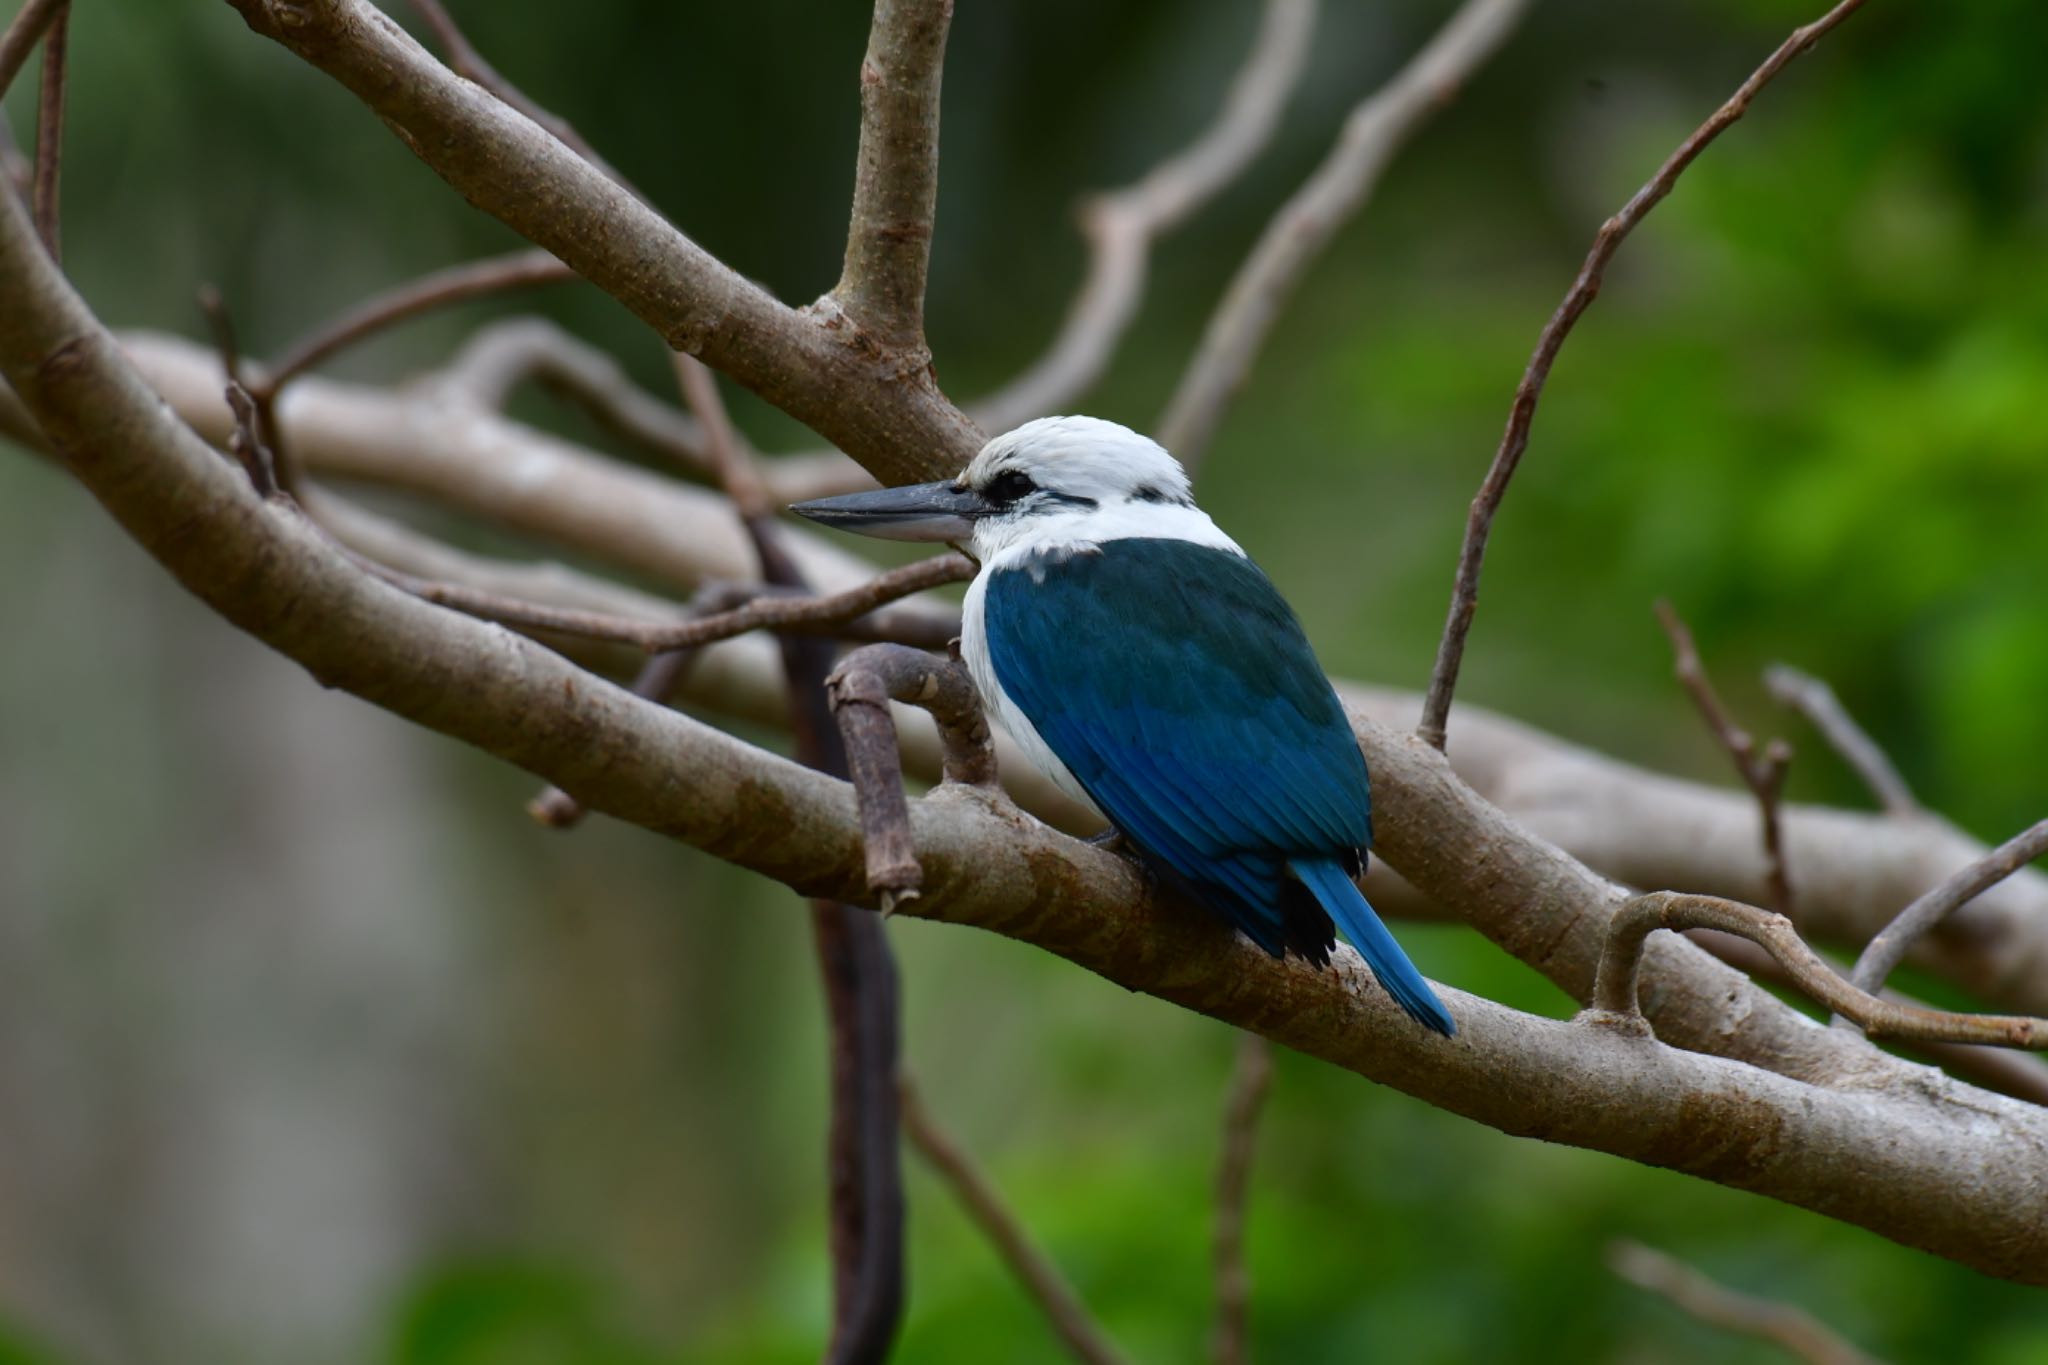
<point x="1807" y="408"/>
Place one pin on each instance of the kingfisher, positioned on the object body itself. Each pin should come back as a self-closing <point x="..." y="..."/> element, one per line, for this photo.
<point x="1148" y="667"/>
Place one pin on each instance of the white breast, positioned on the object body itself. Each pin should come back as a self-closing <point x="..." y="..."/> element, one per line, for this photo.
<point x="974" y="649"/>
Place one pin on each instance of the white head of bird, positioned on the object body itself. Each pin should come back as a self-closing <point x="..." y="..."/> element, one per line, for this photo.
<point x="1059" y="484"/>
<point x="1149" y="668"/>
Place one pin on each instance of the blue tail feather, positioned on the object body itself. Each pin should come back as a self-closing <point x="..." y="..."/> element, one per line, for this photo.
<point x="1326" y="878"/>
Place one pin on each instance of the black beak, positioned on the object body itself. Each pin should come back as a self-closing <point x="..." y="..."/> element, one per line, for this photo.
<point x="941" y="511"/>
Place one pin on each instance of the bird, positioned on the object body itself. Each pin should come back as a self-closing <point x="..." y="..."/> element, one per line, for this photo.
<point x="1144" y="663"/>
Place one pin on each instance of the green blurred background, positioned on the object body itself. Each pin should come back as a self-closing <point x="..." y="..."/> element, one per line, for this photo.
<point x="312" y="1048"/>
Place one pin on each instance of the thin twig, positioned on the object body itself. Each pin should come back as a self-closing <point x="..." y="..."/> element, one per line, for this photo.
<point x="1297" y="234"/>
<point x="15" y="170"/>
<point x="851" y="614"/>
<point x="1812" y="698"/>
<point x="1762" y="771"/>
<point x="247" y="445"/>
<point x="220" y="325"/>
<point x="1250" y="1079"/>
<point x="1443" y="680"/>
<point x="45" y="195"/>
<point x="1041" y="1279"/>
<point x="2019" y="1074"/>
<point x="1614" y="984"/>
<point x="1895" y="940"/>
<point x="1121" y="225"/>
<point x="896" y="178"/>
<point x="732" y="463"/>
<point x="469" y="63"/>
<point x="495" y="275"/>
<point x="1791" y="1329"/>
<point x="23" y="32"/>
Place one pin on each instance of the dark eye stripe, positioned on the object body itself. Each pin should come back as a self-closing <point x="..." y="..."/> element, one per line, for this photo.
<point x="1008" y="486"/>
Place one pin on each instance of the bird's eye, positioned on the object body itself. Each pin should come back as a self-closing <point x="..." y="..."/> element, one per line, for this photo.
<point x="1008" y="486"/>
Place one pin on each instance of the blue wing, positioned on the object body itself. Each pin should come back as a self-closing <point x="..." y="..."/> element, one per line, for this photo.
<point x="1176" y="685"/>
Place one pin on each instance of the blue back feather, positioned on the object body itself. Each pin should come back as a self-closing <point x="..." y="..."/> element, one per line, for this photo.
<point x="1176" y="685"/>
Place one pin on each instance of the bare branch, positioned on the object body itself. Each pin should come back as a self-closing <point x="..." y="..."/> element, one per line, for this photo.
<point x="732" y="464"/>
<point x="1041" y="1279"/>
<point x="1443" y="680"/>
<point x="1121" y="225"/>
<point x="1812" y="698"/>
<point x="50" y="133"/>
<point x="23" y="32"/>
<point x="1250" y="1079"/>
<point x="810" y="364"/>
<point x="896" y="180"/>
<point x="1763" y="772"/>
<point x="247" y="446"/>
<point x="1794" y="1330"/>
<point x="1304" y="225"/>
<point x="470" y="63"/>
<point x="497" y="275"/>
<point x="1614" y="991"/>
<point x="852" y="614"/>
<point x="861" y="689"/>
<point x="1890" y="946"/>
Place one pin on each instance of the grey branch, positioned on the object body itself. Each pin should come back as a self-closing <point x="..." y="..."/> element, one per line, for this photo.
<point x="1041" y="1279"/>
<point x="896" y="180"/>
<point x="1450" y="653"/>
<point x="1889" y="948"/>
<point x="1304" y="225"/>
<point x="1615" y="990"/>
<point x="1812" y="698"/>
<point x="1793" y="1330"/>
<point x="1121" y="225"/>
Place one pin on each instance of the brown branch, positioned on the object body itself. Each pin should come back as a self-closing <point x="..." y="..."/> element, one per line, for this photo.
<point x="1762" y="771"/>
<point x="1812" y="698"/>
<point x="852" y="614"/>
<point x="475" y="279"/>
<point x="1793" y="1330"/>
<point x="470" y="63"/>
<point x="896" y="179"/>
<point x="1121" y="225"/>
<point x="1443" y="680"/>
<point x="731" y="462"/>
<point x="1615" y="993"/>
<point x="1297" y="234"/>
<point x="2019" y="1074"/>
<point x="1889" y="948"/>
<point x="809" y="363"/>
<point x="247" y="446"/>
<point x="1250" y="1079"/>
<point x="23" y="32"/>
<point x="1040" y="1278"/>
<point x="44" y="194"/>
<point x="861" y="689"/>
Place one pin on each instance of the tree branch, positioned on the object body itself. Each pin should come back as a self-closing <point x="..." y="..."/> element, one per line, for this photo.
<point x="896" y="181"/>
<point x="1121" y="225"/>
<point x="1250" y="1079"/>
<point x="1443" y="681"/>
<point x="44" y="194"/>
<point x="23" y="32"/>
<point x="1762" y="771"/>
<point x="809" y="363"/>
<point x="1304" y="225"/>
<point x="1812" y="698"/>
<point x="1040" y="1278"/>
<point x="1890" y="946"/>
<point x="1614" y="992"/>
<point x="1794" y="1330"/>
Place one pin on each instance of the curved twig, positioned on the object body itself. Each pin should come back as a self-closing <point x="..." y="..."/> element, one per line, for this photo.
<point x="1450" y="653"/>
<point x="1793" y="1330"/>
<point x="1891" y="944"/>
<point x="1812" y="698"/>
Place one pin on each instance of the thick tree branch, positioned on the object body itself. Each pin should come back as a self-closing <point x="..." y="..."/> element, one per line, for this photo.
<point x="809" y="363"/>
<point x="1906" y="1153"/>
<point x="1443" y="681"/>
<point x="1121" y="225"/>
<point x="896" y="180"/>
<point x="1304" y="225"/>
